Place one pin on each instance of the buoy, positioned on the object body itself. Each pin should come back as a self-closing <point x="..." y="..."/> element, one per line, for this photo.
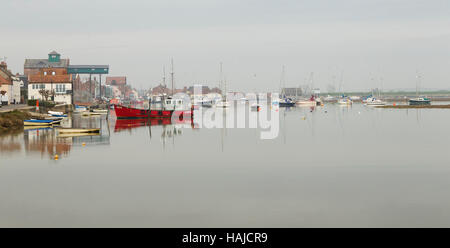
<point x="56" y="156"/>
<point x="394" y="104"/>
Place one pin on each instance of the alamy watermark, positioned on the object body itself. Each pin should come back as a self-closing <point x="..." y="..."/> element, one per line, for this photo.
<point x="252" y="110"/>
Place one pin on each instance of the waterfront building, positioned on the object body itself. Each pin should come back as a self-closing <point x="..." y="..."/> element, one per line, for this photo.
<point x="54" y="80"/>
<point x="33" y="66"/>
<point x="9" y="86"/>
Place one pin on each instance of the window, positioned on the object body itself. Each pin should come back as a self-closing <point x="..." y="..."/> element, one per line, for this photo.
<point x="60" y="88"/>
<point x="53" y="73"/>
<point x="45" y="73"/>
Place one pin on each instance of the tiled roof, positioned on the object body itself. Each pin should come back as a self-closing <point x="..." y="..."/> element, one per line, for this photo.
<point x="43" y="63"/>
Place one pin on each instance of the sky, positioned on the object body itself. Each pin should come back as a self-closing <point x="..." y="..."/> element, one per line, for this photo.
<point x="348" y="44"/>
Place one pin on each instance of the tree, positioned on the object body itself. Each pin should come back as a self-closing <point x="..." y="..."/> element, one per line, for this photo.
<point x="46" y="94"/>
<point x="2" y="92"/>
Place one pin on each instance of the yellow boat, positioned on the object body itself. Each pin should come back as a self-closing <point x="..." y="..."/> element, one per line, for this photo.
<point x="67" y="135"/>
<point x="78" y="130"/>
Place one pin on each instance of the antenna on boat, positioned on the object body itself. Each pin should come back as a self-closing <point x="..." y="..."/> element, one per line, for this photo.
<point x="164" y="76"/>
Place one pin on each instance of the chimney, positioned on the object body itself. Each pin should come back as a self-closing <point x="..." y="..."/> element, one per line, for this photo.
<point x="3" y="65"/>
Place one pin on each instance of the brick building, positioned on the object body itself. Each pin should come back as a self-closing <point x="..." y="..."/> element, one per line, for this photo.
<point x="33" y="66"/>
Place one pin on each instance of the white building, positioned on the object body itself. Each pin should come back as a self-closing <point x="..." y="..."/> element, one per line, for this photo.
<point x="62" y="92"/>
<point x="52" y="80"/>
<point x="9" y="86"/>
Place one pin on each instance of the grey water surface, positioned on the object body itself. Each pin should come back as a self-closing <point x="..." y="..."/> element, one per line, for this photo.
<point x="331" y="166"/>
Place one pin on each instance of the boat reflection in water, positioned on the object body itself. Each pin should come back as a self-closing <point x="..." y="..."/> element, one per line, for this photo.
<point x="47" y="142"/>
<point x="170" y="128"/>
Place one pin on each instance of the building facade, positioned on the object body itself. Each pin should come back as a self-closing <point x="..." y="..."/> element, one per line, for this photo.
<point x="54" y="80"/>
<point x="9" y="86"/>
<point x="51" y="75"/>
<point x="33" y="66"/>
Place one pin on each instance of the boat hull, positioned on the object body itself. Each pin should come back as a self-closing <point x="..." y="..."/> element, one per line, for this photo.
<point x="38" y="122"/>
<point x="79" y="130"/>
<point x="415" y="102"/>
<point x="123" y="112"/>
<point x="286" y="104"/>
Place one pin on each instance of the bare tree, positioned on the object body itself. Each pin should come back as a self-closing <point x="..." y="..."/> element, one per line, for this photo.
<point x="46" y="94"/>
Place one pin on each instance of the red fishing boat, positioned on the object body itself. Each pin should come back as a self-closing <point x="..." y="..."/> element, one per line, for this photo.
<point x="128" y="124"/>
<point x="123" y="112"/>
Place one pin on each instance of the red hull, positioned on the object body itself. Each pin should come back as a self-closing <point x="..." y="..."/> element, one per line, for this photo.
<point x="123" y="112"/>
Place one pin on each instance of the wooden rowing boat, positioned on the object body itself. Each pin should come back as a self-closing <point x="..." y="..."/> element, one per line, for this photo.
<point x="38" y="122"/>
<point x="68" y="135"/>
<point x="79" y="130"/>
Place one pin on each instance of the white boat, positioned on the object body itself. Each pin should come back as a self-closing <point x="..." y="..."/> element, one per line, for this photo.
<point x="79" y="109"/>
<point x="374" y="102"/>
<point x="55" y="113"/>
<point x="308" y="102"/>
<point x="419" y="101"/>
<point x="101" y="111"/>
<point x="330" y="99"/>
<point x="345" y="101"/>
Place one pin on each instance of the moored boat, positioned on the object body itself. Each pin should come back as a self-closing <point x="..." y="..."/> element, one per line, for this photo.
<point x="286" y="102"/>
<point x="38" y="122"/>
<point x="101" y="111"/>
<point x="78" y="130"/>
<point x="419" y="101"/>
<point x="345" y="101"/>
<point x="372" y="101"/>
<point x="123" y="112"/>
<point x="307" y="102"/>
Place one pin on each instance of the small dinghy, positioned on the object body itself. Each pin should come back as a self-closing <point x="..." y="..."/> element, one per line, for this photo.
<point x="38" y="122"/>
<point x="55" y="113"/>
<point x="78" y="130"/>
<point x="101" y="111"/>
<point x="68" y="135"/>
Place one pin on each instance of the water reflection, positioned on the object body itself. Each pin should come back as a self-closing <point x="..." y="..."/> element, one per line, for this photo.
<point x="46" y="142"/>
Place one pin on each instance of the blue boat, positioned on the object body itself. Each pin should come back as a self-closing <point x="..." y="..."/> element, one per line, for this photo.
<point x="38" y="122"/>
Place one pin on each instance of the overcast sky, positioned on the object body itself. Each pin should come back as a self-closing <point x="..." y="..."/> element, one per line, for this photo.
<point x="363" y="40"/>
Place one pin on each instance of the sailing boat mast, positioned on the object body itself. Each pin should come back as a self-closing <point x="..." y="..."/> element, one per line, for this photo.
<point x="164" y="76"/>
<point x="221" y="77"/>
<point x="171" y="75"/>
<point x="282" y="81"/>
<point x="417" y="83"/>
<point x="225" y="87"/>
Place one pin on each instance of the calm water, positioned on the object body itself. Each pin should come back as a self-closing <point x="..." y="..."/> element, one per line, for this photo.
<point x="331" y="167"/>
